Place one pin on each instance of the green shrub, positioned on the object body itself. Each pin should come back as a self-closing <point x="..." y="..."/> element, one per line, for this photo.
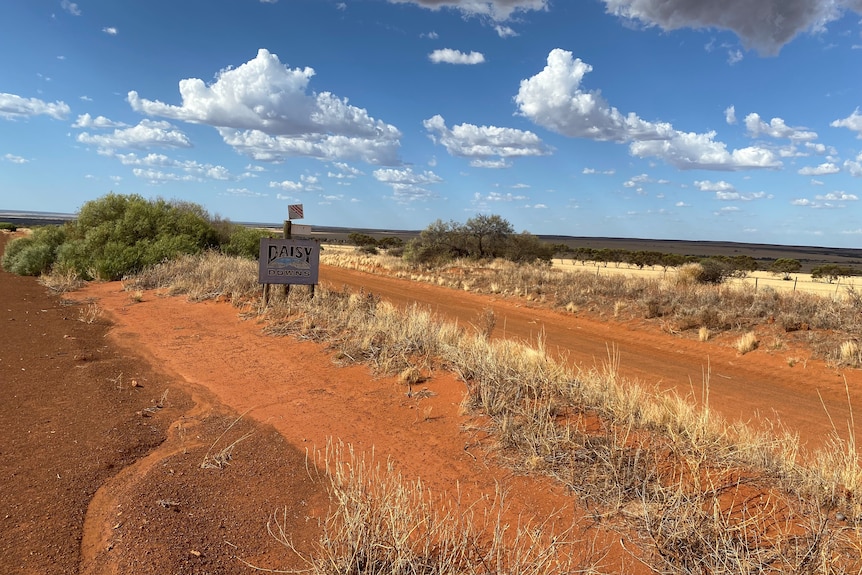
<point x="714" y="271"/>
<point x="116" y="235"/>
<point x="784" y="267"/>
<point x="244" y="242"/>
<point x="8" y="227"/>
<point x="361" y="240"/>
<point x="34" y="254"/>
<point x="527" y="248"/>
<point x="832" y="272"/>
<point x="481" y="237"/>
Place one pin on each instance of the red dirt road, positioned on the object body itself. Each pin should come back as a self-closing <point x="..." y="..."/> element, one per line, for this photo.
<point x="749" y="387"/>
<point x="100" y="471"/>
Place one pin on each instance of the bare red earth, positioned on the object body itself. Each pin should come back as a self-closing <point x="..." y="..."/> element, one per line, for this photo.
<point x="100" y="471"/>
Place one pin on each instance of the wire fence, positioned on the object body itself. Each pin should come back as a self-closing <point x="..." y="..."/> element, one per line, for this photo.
<point x="756" y="280"/>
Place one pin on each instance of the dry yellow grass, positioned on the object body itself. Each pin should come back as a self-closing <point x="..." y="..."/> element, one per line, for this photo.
<point x="628" y="467"/>
<point x="849" y="353"/>
<point x="746" y="342"/>
<point x="801" y="282"/>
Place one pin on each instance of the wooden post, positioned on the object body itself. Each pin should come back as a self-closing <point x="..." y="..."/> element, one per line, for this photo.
<point x="287" y="225"/>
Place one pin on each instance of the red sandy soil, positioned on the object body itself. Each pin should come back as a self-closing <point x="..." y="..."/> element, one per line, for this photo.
<point x="100" y="471"/>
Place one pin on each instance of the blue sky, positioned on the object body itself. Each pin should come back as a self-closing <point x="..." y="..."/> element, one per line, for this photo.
<point x="671" y="119"/>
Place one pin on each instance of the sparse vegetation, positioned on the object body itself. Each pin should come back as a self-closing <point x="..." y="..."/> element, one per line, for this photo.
<point x="747" y="342"/>
<point x="382" y="523"/>
<point x="678" y="299"/>
<point x="701" y="493"/>
<point x="117" y="235"/>
<point x="481" y="237"/>
<point x="833" y="272"/>
<point x="784" y="267"/>
<point x="849" y="353"/>
<point x="219" y="458"/>
<point x="34" y="254"/>
<point x="243" y="241"/>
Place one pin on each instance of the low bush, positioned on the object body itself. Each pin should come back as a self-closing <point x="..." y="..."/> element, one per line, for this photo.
<point x="244" y="242"/>
<point x="114" y="236"/>
<point x="699" y="494"/>
<point x="34" y="254"/>
<point x="8" y="227"/>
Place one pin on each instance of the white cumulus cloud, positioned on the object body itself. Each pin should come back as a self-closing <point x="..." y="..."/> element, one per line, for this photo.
<point x="851" y="122"/>
<point x="146" y="134"/>
<point x="110" y="30"/>
<point x="838" y="197"/>
<point x="691" y="151"/>
<point x="854" y="166"/>
<point x="408" y="185"/>
<point x="450" y="56"/>
<point x="497" y="10"/>
<point x="158" y="177"/>
<point x="776" y="128"/>
<point x="87" y="121"/>
<point x="191" y="167"/>
<point x="821" y="170"/>
<point x="709" y="186"/>
<point x="765" y="25"/>
<point x="484" y="143"/>
<point x="263" y="109"/>
<point x="730" y="115"/>
<point x="70" y="7"/>
<point x="15" y="159"/>
<point x="13" y="106"/>
<point x="554" y="99"/>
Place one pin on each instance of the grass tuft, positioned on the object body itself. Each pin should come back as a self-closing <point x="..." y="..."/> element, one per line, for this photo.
<point x="746" y="342"/>
<point x="698" y="490"/>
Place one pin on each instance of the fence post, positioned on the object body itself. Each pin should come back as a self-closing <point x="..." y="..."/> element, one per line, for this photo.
<point x="796" y="279"/>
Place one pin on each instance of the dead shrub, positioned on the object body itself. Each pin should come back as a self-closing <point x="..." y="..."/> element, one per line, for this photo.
<point x="746" y="342"/>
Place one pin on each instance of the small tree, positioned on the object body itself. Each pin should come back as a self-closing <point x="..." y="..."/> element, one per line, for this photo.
<point x="671" y="261"/>
<point x="389" y="243"/>
<point x="784" y="267"/>
<point x="832" y="272"/>
<point x="361" y="240"/>
<point x="584" y="254"/>
<point x="743" y="265"/>
<point x="527" y="248"/>
<point x="490" y="233"/>
<point x="439" y="242"/>
<point x="714" y="271"/>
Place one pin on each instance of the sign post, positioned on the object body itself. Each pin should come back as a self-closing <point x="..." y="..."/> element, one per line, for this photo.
<point x="288" y="261"/>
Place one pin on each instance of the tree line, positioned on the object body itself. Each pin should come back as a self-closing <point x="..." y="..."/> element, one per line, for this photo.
<point x="120" y="234"/>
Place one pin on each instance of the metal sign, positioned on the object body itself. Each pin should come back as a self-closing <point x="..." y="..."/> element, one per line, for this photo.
<point x="294" y="212"/>
<point x="289" y="261"/>
<point x="300" y="230"/>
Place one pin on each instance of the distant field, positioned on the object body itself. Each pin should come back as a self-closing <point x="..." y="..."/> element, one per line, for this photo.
<point x="809" y="256"/>
<point x="759" y="279"/>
